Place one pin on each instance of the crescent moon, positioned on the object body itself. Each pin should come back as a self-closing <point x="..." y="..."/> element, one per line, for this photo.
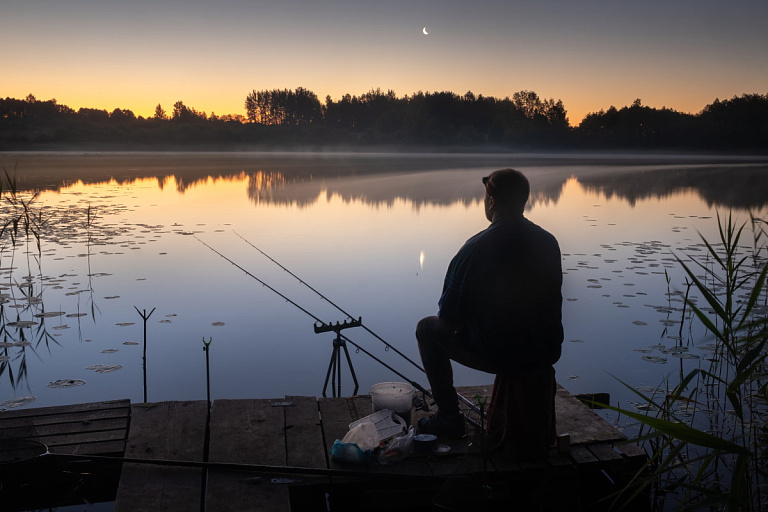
<point x="424" y="30"/>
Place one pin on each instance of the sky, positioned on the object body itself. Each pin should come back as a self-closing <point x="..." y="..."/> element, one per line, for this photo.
<point x="591" y="54"/>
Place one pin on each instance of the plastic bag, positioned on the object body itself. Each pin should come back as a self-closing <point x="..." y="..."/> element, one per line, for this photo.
<point x="398" y="448"/>
<point x="357" y="445"/>
<point x="349" y="452"/>
<point x="364" y="435"/>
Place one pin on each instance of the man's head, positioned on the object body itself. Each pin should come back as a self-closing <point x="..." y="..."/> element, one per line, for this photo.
<point x="506" y="192"/>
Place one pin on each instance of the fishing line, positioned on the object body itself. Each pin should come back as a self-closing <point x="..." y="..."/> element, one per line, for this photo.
<point x="329" y="301"/>
<point x="321" y="322"/>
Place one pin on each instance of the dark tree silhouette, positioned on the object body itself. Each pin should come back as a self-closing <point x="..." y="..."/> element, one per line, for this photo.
<point x="286" y="118"/>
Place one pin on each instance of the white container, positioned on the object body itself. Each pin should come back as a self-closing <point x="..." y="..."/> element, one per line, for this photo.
<point x="395" y="396"/>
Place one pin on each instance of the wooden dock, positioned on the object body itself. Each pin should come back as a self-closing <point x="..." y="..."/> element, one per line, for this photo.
<point x="272" y="454"/>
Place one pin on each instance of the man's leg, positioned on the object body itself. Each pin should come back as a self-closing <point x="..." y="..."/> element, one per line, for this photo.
<point x="438" y="345"/>
<point x="433" y="336"/>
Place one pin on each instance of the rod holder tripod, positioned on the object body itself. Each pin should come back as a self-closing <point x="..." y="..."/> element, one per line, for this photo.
<point x="334" y="367"/>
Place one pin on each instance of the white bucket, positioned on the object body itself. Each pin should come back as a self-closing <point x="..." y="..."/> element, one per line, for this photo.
<point x="395" y="396"/>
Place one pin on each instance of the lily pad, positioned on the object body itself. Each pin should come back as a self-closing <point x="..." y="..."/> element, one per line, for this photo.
<point x="17" y="402"/>
<point x="21" y="324"/>
<point x="66" y="383"/>
<point x="102" y="368"/>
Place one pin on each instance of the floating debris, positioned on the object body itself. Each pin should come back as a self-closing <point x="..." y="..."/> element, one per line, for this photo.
<point x="17" y="402"/>
<point x="639" y="322"/>
<point x="60" y="327"/>
<point x="22" y="344"/>
<point x="218" y="324"/>
<point x="109" y="351"/>
<point x="130" y="343"/>
<point x="124" y="324"/>
<point x="76" y="315"/>
<point x="66" y="383"/>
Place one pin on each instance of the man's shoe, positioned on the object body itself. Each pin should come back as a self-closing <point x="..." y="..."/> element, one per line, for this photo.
<point x="444" y="426"/>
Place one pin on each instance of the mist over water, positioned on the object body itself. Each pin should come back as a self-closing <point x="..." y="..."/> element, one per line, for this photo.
<point x="373" y="233"/>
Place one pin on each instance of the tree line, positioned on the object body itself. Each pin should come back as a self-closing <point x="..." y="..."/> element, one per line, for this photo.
<point x="298" y="118"/>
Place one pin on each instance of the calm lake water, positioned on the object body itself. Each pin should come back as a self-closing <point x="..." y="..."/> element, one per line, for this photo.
<point x="126" y="234"/>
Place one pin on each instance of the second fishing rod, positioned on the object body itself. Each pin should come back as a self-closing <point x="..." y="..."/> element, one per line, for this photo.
<point x="388" y="345"/>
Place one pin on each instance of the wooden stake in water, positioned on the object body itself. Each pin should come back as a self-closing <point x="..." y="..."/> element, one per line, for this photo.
<point x="207" y="441"/>
<point x="145" y="317"/>
<point x="206" y="345"/>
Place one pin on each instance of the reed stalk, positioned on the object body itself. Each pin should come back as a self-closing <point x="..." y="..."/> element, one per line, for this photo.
<point x="716" y="459"/>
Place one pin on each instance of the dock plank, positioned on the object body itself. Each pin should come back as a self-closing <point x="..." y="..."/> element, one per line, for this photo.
<point x="54" y="410"/>
<point x="96" y="428"/>
<point x="247" y="432"/>
<point x="168" y="431"/>
<point x="304" y="442"/>
<point x="86" y="426"/>
<point x="583" y="425"/>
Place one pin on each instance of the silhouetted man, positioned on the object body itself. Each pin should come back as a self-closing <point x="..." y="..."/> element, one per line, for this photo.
<point x="500" y="312"/>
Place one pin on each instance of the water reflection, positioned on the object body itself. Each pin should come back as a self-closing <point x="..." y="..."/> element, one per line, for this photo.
<point x="737" y="186"/>
<point x="374" y="233"/>
<point x="277" y="178"/>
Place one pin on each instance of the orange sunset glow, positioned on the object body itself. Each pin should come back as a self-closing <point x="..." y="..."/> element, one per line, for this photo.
<point x="210" y="55"/>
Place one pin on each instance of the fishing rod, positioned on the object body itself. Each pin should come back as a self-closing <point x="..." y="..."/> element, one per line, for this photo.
<point x="229" y="466"/>
<point x="466" y="401"/>
<point x="329" y="301"/>
<point x="321" y="322"/>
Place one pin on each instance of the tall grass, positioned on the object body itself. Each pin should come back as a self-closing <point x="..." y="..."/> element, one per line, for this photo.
<point x="21" y="225"/>
<point x="714" y="456"/>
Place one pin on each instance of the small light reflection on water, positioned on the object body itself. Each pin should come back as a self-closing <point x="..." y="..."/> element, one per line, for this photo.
<point x="352" y="238"/>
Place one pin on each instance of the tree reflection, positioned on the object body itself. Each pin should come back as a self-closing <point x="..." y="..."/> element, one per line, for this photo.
<point x="381" y="179"/>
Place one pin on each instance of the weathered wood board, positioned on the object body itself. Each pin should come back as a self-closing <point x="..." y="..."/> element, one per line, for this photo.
<point x="246" y="432"/>
<point x="167" y="431"/>
<point x="97" y="428"/>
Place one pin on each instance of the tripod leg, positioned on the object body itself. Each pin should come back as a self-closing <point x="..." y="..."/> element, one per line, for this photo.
<point x="338" y="370"/>
<point x="351" y="369"/>
<point x="331" y="368"/>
